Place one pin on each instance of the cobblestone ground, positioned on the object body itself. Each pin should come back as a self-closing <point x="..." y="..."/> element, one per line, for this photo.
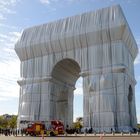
<point x="72" y="138"/>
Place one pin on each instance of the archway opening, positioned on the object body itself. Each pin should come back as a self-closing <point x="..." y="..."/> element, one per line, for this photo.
<point x="130" y="97"/>
<point x="64" y="76"/>
<point x="78" y="100"/>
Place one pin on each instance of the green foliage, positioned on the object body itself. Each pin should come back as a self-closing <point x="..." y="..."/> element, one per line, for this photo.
<point x="12" y="122"/>
<point x="138" y="125"/>
<point x="79" y="119"/>
<point x="79" y="123"/>
<point x="3" y="122"/>
<point x="8" y="122"/>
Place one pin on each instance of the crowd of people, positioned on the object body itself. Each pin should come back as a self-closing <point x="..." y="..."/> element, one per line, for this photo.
<point x="9" y="132"/>
<point x="16" y="132"/>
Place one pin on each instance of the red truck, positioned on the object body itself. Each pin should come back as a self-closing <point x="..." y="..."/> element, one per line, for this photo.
<point x="50" y="128"/>
<point x="56" y="128"/>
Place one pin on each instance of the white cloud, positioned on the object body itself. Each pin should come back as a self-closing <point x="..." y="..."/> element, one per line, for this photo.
<point x="8" y="2"/>
<point x="4" y="36"/>
<point x="10" y="38"/>
<point x="3" y="99"/>
<point x="9" y="73"/>
<point x="2" y="17"/>
<point x="7" y="26"/>
<point x="10" y="66"/>
<point x="6" y="8"/>
<point x="45" y="1"/>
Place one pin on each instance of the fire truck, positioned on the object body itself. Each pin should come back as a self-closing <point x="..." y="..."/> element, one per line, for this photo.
<point x="50" y="128"/>
<point x="34" y="128"/>
<point x="54" y="128"/>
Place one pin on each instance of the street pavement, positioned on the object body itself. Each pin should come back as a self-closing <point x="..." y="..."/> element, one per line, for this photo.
<point x="72" y="138"/>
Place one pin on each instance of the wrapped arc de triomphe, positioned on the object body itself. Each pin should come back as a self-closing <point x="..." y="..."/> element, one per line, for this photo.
<point x="98" y="46"/>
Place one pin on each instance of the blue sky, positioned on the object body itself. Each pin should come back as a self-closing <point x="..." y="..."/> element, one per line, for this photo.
<point x="16" y="15"/>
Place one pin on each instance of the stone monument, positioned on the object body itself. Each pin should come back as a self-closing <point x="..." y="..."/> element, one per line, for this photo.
<point x="100" y="47"/>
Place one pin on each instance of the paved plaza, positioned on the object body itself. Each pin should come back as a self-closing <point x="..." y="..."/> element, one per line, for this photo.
<point x="72" y="138"/>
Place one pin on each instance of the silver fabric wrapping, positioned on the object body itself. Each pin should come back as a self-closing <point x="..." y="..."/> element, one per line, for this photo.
<point x="98" y="46"/>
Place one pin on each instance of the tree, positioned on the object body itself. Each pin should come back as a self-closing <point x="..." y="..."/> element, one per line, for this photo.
<point x="3" y="122"/>
<point x="79" y="119"/>
<point x="12" y="122"/>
